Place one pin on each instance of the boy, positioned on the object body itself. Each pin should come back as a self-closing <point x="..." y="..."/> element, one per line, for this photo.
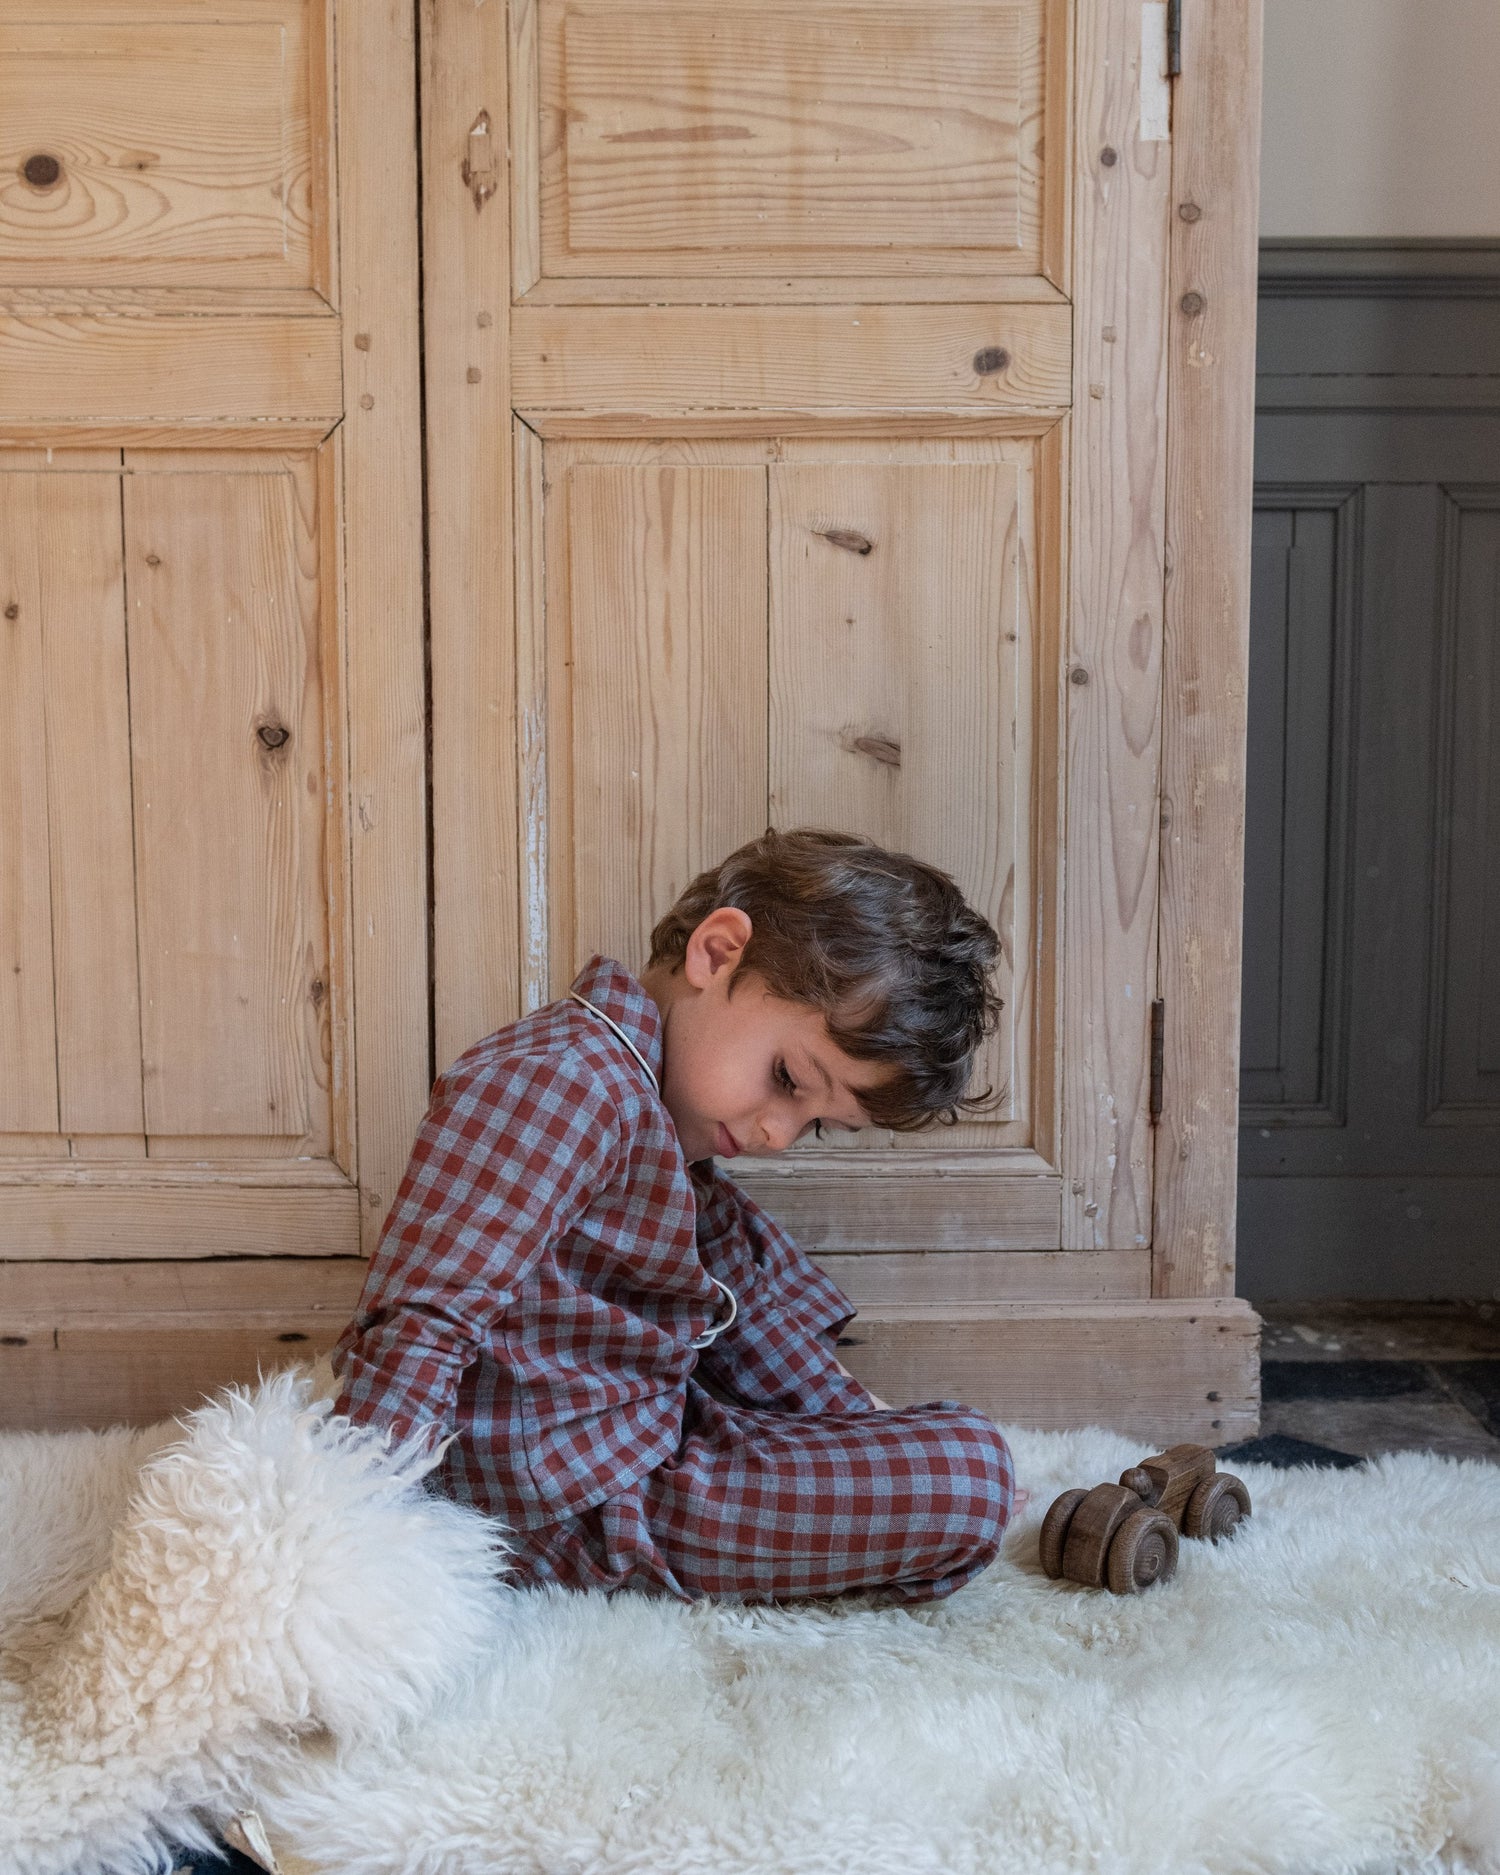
<point x="638" y="1364"/>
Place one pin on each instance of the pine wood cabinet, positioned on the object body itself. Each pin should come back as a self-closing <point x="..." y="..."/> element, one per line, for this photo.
<point x="835" y="414"/>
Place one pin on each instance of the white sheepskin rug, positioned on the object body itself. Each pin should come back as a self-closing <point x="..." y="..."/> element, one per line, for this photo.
<point x="264" y="1609"/>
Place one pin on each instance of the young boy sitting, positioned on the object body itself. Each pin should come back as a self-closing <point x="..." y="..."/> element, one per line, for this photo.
<point x="638" y="1364"/>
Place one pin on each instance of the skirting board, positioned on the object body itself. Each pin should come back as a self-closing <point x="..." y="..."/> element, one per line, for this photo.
<point x="96" y="1345"/>
<point x="1160" y="1370"/>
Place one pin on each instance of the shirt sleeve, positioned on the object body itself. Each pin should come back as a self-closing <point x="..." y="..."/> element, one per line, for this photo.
<point x="780" y="1352"/>
<point x="507" y="1157"/>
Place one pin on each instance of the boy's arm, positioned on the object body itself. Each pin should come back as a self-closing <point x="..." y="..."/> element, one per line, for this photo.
<point x="780" y="1352"/>
<point x="505" y="1159"/>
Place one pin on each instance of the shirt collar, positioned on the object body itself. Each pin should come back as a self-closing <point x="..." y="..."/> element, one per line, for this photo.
<point x="611" y="988"/>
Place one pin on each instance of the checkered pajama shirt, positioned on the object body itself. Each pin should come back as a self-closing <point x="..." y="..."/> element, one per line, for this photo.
<point x="547" y="1264"/>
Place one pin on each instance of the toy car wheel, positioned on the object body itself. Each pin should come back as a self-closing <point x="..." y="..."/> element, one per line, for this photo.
<point x="1216" y="1508"/>
<point x="1055" y="1531"/>
<point x="1144" y="1551"/>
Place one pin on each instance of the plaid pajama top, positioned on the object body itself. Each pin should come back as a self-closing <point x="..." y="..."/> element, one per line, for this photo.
<point x="550" y="1260"/>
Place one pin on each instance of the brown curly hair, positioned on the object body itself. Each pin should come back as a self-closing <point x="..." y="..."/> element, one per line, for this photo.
<point x="882" y="944"/>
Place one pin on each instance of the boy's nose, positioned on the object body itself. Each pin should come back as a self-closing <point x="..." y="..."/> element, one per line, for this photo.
<point x="780" y="1131"/>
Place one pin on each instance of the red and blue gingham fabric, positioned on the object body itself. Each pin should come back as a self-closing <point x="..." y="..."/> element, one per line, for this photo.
<point x="546" y="1265"/>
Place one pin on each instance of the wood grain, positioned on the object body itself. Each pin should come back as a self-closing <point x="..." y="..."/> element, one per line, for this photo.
<point x="903" y="1200"/>
<point x="1121" y="208"/>
<point x="28" y="1039"/>
<point x="1209" y="500"/>
<point x="381" y="446"/>
<point x="756" y="139"/>
<point x="665" y="604"/>
<point x="185" y="149"/>
<point x="1154" y="1369"/>
<point x="476" y="910"/>
<point x="77" y="521"/>
<point x="229" y="819"/>
<point x="92" y="1344"/>
<point x="215" y="1213"/>
<point x="655" y="360"/>
<point x="92" y="373"/>
<point x="900" y="692"/>
<point x="893" y="1279"/>
<point x="973" y="287"/>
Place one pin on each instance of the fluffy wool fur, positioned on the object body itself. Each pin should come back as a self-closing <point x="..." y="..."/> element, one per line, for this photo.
<point x="285" y="1617"/>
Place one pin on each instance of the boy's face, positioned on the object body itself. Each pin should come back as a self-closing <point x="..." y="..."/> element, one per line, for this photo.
<point x="748" y="1072"/>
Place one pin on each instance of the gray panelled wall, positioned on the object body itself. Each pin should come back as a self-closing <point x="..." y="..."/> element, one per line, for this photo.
<point x="1370" y="1135"/>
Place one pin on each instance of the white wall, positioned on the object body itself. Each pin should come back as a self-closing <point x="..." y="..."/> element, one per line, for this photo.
<point x="1382" y="118"/>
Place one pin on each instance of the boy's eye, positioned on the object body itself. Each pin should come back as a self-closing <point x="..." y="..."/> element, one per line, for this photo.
<point x="784" y="1079"/>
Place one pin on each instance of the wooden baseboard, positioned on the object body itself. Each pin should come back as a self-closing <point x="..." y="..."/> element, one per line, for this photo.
<point x="102" y="1344"/>
<point x="1160" y="1370"/>
<point x="97" y="1344"/>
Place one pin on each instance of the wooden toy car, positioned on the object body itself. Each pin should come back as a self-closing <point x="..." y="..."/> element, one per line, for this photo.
<point x="1125" y="1535"/>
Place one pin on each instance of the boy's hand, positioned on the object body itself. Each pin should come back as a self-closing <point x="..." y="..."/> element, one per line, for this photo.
<point x="1019" y="1501"/>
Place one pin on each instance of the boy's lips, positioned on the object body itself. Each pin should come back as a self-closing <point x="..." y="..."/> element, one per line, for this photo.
<point x="727" y="1148"/>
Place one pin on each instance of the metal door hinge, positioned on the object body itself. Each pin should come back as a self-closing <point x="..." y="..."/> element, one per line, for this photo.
<point x="1174" y="37"/>
<point x="1158" y="1055"/>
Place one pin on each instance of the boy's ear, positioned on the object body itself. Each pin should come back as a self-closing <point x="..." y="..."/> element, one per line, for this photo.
<point x="716" y="946"/>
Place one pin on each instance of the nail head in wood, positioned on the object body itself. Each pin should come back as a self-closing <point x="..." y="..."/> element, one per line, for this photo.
<point x="42" y="171"/>
<point x="990" y="359"/>
<point x="1192" y="304"/>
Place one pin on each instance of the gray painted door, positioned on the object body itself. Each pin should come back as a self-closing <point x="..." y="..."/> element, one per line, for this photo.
<point x="1370" y="1140"/>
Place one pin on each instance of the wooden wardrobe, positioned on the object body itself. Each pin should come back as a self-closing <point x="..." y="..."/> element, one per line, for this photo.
<point x="466" y="468"/>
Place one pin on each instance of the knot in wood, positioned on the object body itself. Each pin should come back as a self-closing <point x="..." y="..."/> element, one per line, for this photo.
<point x="153" y="559"/>
<point x="1190" y="211"/>
<point x="12" y="610"/>
<point x="1109" y="156"/>
<point x="273" y="734"/>
<point x="990" y="359"/>
<point x="42" y="171"/>
<point x="883" y="749"/>
<point x="1078" y="675"/>
<point x="1192" y="304"/>
<point x="849" y="538"/>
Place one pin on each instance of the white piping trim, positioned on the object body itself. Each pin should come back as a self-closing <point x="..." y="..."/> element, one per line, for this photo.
<point x="609" y="1022"/>
<point x="709" y="1334"/>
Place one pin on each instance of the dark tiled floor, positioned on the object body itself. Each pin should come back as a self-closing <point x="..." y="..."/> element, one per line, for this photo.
<point x="1343" y="1381"/>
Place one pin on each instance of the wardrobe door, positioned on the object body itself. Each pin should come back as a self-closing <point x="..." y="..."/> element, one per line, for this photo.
<point x="211" y="681"/>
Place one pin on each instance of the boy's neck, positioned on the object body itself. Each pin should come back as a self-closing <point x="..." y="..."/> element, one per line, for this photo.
<point x="663" y="987"/>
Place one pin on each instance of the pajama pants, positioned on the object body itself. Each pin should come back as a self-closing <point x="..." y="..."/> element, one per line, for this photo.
<point x="768" y="1506"/>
